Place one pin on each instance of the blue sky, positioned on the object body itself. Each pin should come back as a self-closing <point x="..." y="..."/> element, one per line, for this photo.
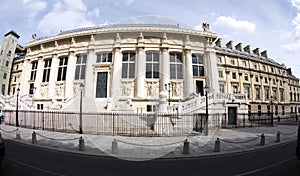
<point x="272" y="25"/>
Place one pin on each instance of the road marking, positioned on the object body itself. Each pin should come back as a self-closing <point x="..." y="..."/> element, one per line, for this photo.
<point x="264" y="168"/>
<point x="33" y="167"/>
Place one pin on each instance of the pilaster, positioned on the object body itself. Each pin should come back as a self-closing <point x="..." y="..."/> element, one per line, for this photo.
<point x="188" y="81"/>
<point x="53" y="76"/>
<point x="164" y="69"/>
<point x="140" y="75"/>
<point x="70" y="75"/>
<point x="89" y="86"/>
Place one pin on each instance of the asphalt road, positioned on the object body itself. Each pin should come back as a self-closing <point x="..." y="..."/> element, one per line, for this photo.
<point x="23" y="159"/>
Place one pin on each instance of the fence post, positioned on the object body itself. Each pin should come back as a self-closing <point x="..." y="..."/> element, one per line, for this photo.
<point x="186" y="147"/>
<point x="81" y="144"/>
<point x="114" y="147"/>
<point x="262" y="139"/>
<point x="18" y="135"/>
<point x="278" y="137"/>
<point x="34" y="137"/>
<point x="217" y="145"/>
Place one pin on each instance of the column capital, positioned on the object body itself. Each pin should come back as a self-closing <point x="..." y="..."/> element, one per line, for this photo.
<point x="164" y="49"/>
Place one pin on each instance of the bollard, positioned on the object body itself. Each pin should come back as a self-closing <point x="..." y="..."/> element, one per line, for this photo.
<point x="217" y="145"/>
<point x="262" y="139"/>
<point x="114" y="147"/>
<point x="81" y="144"/>
<point x="278" y="137"/>
<point x="186" y="147"/>
<point x="33" y="137"/>
<point x="18" y="135"/>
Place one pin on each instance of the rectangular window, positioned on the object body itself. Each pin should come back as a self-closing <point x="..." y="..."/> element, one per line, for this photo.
<point x="220" y="74"/>
<point x="40" y="106"/>
<point x="233" y="75"/>
<point x="267" y="96"/>
<point x="264" y="68"/>
<point x="3" y="89"/>
<point x="283" y="110"/>
<point x="1" y="52"/>
<point x="247" y="89"/>
<point x="276" y="110"/>
<point x="62" y="69"/>
<point x="256" y="79"/>
<point x="259" y="110"/>
<point x="175" y="66"/>
<point x="257" y="89"/>
<point x="232" y="61"/>
<point x="246" y="77"/>
<point x="266" y="80"/>
<point x="244" y="63"/>
<point x="220" y="60"/>
<point x="128" y="65"/>
<point x="9" y="53"/>
<point x="80" y="67"/>
<point x="198" y="69"/>
<point x="7" y="63"/>
<point x="34" y="65"/>
<point x="274" y="81"/>
<point x="4" y="75"/>
<point x="281" y="95"/>
<point x="46" y="71"/>
<point x="235" y="89"/>
<point x="152" y="65"/>
<point x="31" y="88"/>
<point x="104" y="57"/>
<point x="275" y="94"/>
<point x="255" y="66"/>
<point x="222" y="88"/>
<point x="151" y="108"/>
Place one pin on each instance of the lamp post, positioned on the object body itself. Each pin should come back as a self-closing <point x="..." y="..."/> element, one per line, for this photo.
<point x="206" y="111"/>
<point x="169" y="87"/>
<point x="17" y="108"/>
<point x="33" y="91"/>
<point x="80" y="110"/>
<point x="271" y="102"/>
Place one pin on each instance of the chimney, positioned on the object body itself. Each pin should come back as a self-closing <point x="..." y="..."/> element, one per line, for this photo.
<point x="256" y="51"/>
<point x="238" y="46"/>
<point x="264" y="54"/>
<point x="229" y="44"/>
<point x="219" y="42"/>
<point x="247" y="49"/>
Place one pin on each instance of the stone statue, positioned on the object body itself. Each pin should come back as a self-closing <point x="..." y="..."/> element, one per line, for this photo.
<point x="205" y="27"/>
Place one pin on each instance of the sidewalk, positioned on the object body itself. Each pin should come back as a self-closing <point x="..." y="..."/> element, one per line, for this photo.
<point x="145" y="148"/>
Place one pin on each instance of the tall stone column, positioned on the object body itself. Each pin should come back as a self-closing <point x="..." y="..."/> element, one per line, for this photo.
<point x="141" y="73"/>
<point x="117" y="73"/>
<point x="253" y="89"/>
<point x="90" y="76"/>
<point x="212" y="76"/>
<point x="39" y="77"/>
<point x="164" y="69"/>
<point x="188" y="82"/>
<point x="228" y="84"/>
<point x="53" y="76"/>
<point x="241" y="83"/>
<point x="24" y="87"/>
<point x="70" y="75"/>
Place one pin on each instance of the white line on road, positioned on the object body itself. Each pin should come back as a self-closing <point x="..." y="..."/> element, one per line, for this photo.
<point x="33" y="167"/>
<point x="264" y="168"/>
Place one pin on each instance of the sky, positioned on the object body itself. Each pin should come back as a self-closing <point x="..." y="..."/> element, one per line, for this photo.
<point x="272" y="25"/>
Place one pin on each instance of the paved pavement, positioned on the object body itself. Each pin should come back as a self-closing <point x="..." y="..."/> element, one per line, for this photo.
<point x="145" y="148"/>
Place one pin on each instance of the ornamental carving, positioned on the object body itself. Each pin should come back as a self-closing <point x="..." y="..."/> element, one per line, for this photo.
<point x="177" y="89"/>
<point x="76" y="87"/>
<point x="152" y="88"/>
<point x="127" y="89"/>
<point x="60" y="89"/>
<point x="44" y="90"/>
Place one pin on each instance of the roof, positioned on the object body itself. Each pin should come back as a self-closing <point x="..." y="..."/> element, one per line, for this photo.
<point x="12" y="33"/>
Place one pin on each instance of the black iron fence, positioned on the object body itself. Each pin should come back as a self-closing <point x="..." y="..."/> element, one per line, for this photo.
<point x="133" y="124"/>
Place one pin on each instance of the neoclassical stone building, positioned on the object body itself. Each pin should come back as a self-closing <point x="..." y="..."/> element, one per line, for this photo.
<point x="126" y="67"/>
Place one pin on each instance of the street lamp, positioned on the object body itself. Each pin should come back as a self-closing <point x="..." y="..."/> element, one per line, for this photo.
<point x="169" y="87"/>
<point x="33" y="91"/>
<point x="271" y="102"/>
<point x="80" y="110"/>
<point x="17" y="108"/>
<point x="206" y="112"/>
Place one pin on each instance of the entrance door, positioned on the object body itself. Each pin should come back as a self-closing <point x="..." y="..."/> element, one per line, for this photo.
<point x="199" y="88"/>
<point x="101" y="87"/>
<point x="232" y="115"/>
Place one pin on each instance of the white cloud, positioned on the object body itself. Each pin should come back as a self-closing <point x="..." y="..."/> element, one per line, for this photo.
<point x="232" y="25"/>
<point x="295" y="3"/>
<point x="94" y="13"/>
<point x="66" y="14"/>
<point x="33" y="7"/>
<point x="128" y="2"/>
<point x="295" y="44"/>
